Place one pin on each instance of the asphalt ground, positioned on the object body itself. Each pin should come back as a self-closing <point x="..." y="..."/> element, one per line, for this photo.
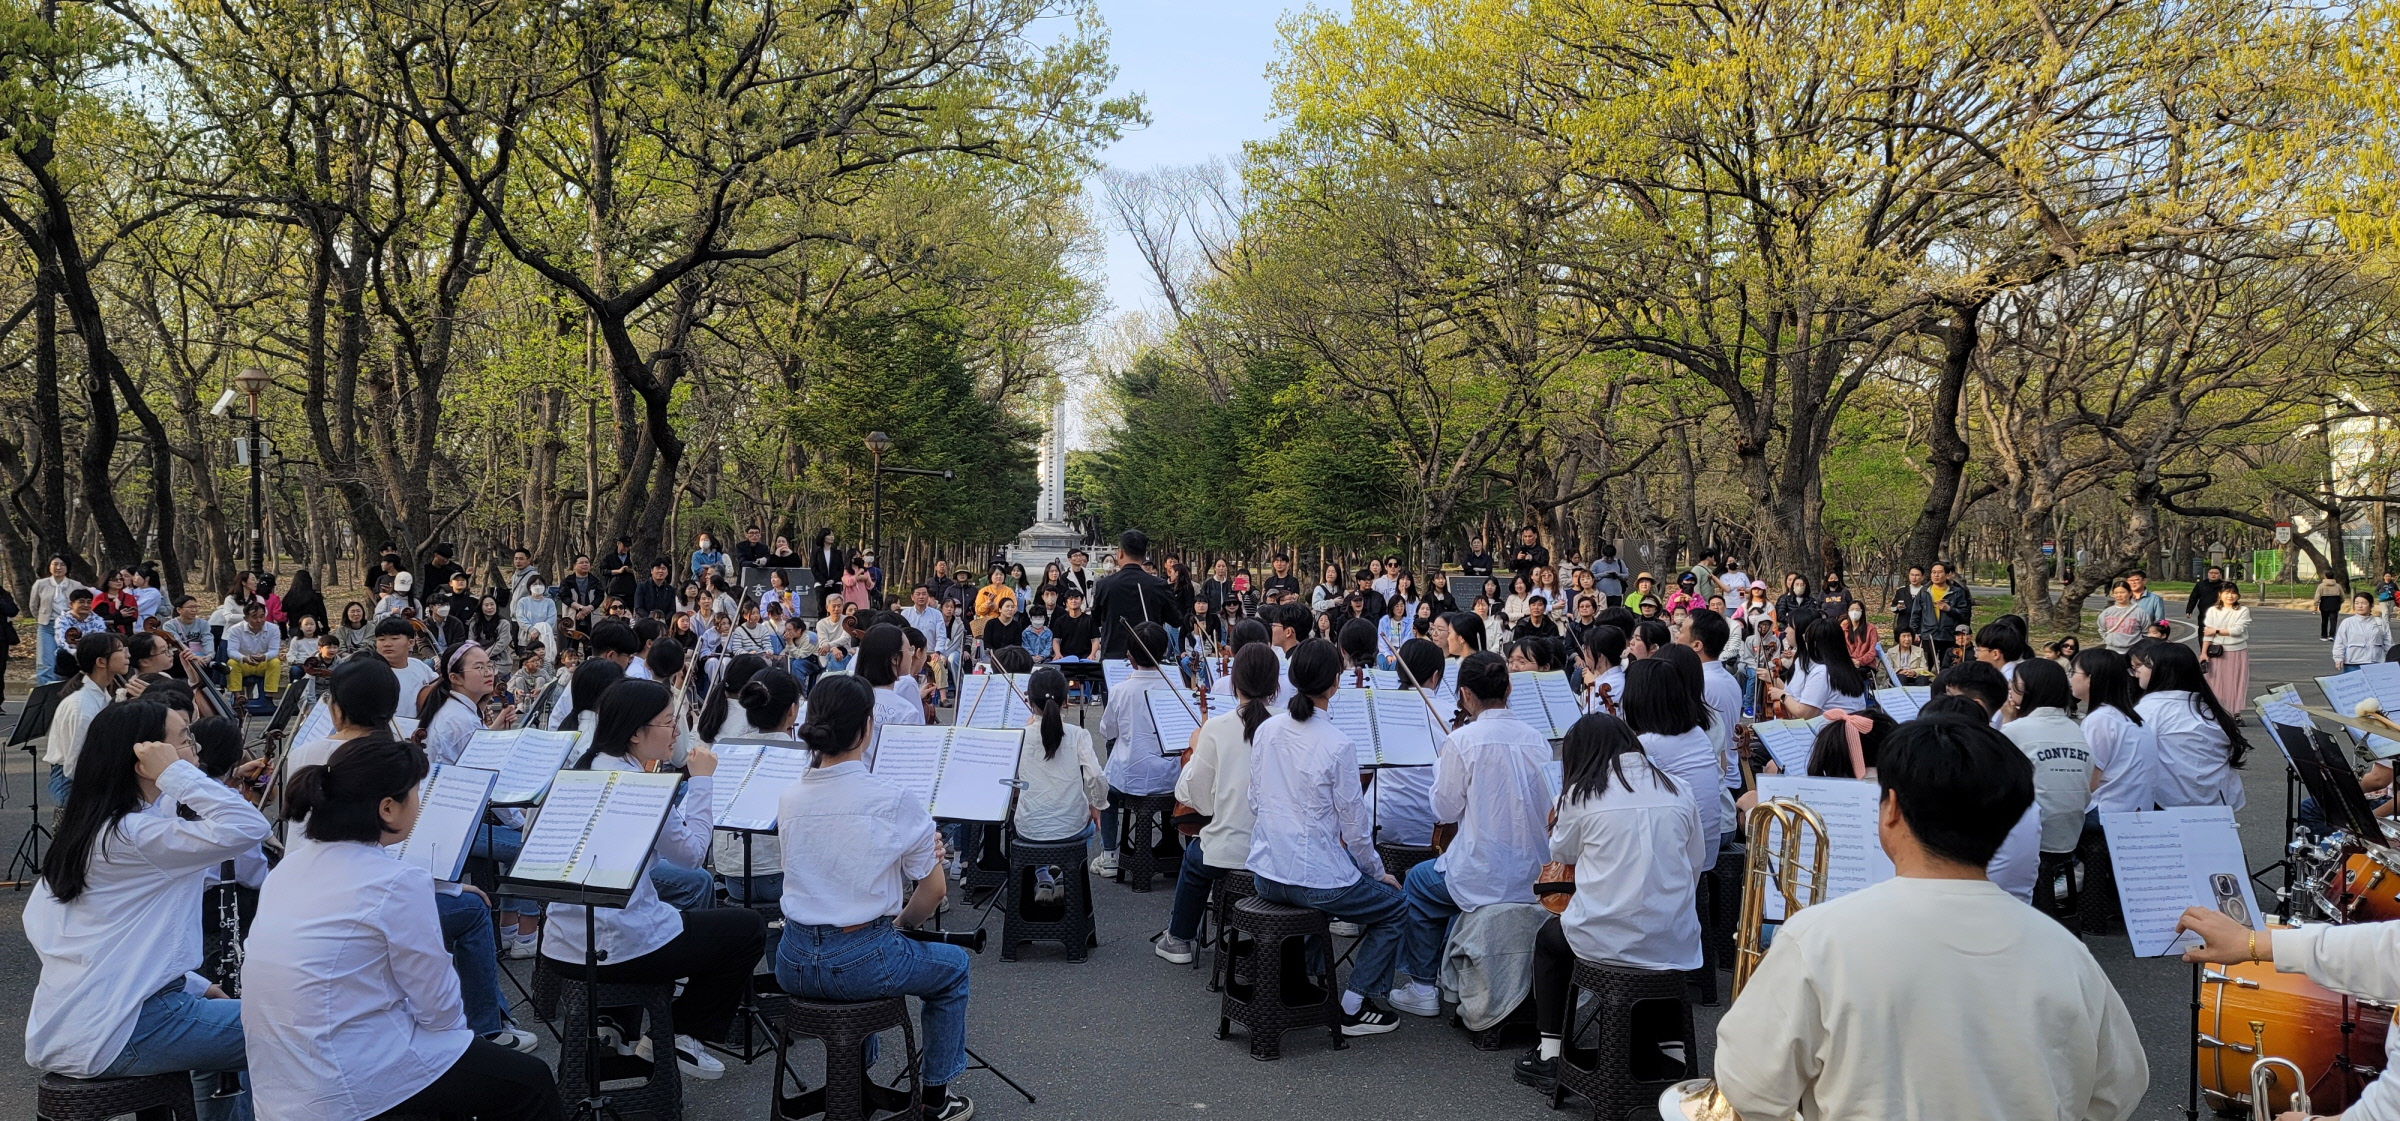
<point x="1128" y="1035"/>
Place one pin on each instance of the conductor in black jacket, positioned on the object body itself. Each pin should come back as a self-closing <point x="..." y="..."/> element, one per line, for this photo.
<point x="1132" y="594"/>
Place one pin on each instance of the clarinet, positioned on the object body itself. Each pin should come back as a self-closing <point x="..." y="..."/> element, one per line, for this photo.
<point x="228" y="962"/>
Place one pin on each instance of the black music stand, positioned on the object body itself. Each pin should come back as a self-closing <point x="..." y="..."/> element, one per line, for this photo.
<point x="33" y="721"/>
<point x="752" y="1017"/>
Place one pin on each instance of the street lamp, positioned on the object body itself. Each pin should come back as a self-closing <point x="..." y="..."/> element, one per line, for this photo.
<point x="252" y="382"/>
<point x="877" y="444"/>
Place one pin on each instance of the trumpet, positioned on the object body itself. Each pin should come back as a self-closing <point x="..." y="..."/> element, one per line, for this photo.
<point x="1698" y="1099"/>
<point x="2262" y="1087"/>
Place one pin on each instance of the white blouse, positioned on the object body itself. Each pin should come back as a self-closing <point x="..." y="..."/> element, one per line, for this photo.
<point x="350" y="1004"/>
<point x="646" y="922"/>
<point x="2121" y="751"/>
<point x="2189" y="767"/>
<point x="135" y="930"/>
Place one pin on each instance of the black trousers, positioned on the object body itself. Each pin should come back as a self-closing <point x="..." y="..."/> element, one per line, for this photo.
<point x="713" y="957"/>
<point x="489" y="1083"/>
<point x="2329" y="615"/>
<point x="1554" y="974"/>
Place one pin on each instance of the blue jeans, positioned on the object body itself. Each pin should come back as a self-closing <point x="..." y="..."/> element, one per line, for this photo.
<point x="825" y="963"/>
<point x="45" y="654"/>
<point x="467" y="934"/>
<point x="745" y="890"/>
<point x="1373" y="905"/>
<point x="685" y="889"/>
<point x="500" y="845"/>
<point x="1191" y="893"/>
<point x="59" y="785"/>
<point x="1748" y="675"/>
<point x="1430" y="910"/>
<point x="177" y="1031"/>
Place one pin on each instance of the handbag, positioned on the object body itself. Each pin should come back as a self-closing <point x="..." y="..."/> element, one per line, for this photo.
<point x="2212" y="650"/>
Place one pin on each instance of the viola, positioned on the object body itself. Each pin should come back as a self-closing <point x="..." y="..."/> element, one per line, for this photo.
<point x="1186" y="819"/>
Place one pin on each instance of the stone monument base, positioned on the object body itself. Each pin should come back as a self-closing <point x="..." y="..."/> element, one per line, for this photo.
<point x="1042" y="543"/>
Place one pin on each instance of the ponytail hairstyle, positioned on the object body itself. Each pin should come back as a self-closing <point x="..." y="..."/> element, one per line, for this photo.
<point x="218" y="742"/>
<point x="876" y="653"/>
<point x="624" y="709"/>
<point x="364" y="691"/>
<point x="2108" y="682"/>
<point x="106" y="788"/>
<point x="2174" y="667"/>
<point x="1357" y="640"/>
<point x="440" y="692"/>
<point x="737" y="673"/>
<point x="1044" y="694"/>
<point x="1256" y="677"/>
<point x="1829" y="751"/>
<point x="591" y="681"/>
<point x="1316" y="668"/>
<point x="840" y="709"/>
<point x="768" y="697"/>
<point x="341" y="799"/>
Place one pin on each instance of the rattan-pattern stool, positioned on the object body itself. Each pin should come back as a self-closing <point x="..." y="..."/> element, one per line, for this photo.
<point x="1610" y="1083"/>
<point x="1073" y="927"/>
<point x="659" y="1095"/>
<point x="1144" y="823"/>
<point x="61" y="1098"/>
<point x="1232" y="887"/>
<point x="848" y="1094"/>
<point x="1399" y="858"/>
<point x="1259" y="1000"/>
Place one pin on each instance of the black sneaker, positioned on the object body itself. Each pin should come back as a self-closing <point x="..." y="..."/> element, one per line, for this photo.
<point x="1370" y="1019"/>
<point x="953" y="1108"/>
<point x="1535" y="1071"/>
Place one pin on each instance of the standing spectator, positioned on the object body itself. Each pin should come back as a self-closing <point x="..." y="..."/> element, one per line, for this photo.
<point x="435" y="577"/>
<point x="1904" y="605"/>
<point x="1946" y="609"/>
<point x="1734" y="579"/>
<point x="1280" y="580"/>
<point x="1218" y="589"/>
<point x="1837" y="600"/>
<point x="825" y="564"/>
<point x="2331" y="592"/>
<point x="2153" y="610"/>
<point x="2387" y="594"/>
<point x="2204" y="594"/>
<point x="2225" y="648"/>
<point x="1529" y="554"/>
<point x="1704" y="576"/>
<point x="2363" y="638"/>
<point x="2120" y="623"/>
<point x="8" y="637"/>
<point x="1798" y="607"/>
<point x="301" y="601"/>
<point x="1477" y="562"/>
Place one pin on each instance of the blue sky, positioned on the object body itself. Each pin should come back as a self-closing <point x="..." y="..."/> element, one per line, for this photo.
<point x="1202" y="67"/>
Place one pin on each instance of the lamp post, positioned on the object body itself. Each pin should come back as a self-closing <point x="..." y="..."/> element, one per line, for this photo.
<point x="877" y="444"/>
<point x="252" y="382"/>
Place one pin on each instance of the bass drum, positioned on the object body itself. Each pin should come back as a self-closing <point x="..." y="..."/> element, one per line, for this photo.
<point x="2336" y="1040"/>
<point x="2364" y="891"/>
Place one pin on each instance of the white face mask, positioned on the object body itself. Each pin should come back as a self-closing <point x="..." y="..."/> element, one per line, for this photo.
<point x="1856" y="615"/>
<point x="534" y="590"/>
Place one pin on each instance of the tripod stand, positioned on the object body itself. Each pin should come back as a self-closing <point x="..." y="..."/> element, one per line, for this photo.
<point x="26" y="865"/>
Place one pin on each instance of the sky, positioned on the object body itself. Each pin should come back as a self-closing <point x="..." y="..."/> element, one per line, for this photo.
<point x="1201" y="65"/>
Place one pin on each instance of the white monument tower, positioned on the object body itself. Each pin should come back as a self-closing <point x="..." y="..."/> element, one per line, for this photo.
<point x="1050" y="535"/>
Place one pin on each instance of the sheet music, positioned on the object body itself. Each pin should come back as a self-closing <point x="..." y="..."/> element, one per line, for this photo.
<point x="2384" y="679"/>
<point x="1354" y="716"/>
<point x="315" y="726"/>
<point x="1404" y="731"/>
<point x="2167" y="860"/>
<point x="451" y="800"/>
<point x="1898" y="704"/>
<point x="911" y="755"/>
<point x="978" y="774"/>
<point x="987" y="700"/>
<point x="1849" y="807"/>
<point x="777" y="768"/>
<point x="1383" y="678"/>
<point x="1115" y="671"/>
<point x="557" y="832"/>
<point x="617" y="852"/>
<point x="525" y="759"/>
<point x="1174" y="716"/>
<point x="2344" y="691"/>
<point x="734" y="762"/>
<point x="1791" y="742"/>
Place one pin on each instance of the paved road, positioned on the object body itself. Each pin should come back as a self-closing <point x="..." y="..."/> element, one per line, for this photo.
<point x="1127" y="1035"/>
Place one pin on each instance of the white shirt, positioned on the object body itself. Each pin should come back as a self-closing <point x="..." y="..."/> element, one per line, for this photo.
<point x="928" y="621"/>
<point x="1491" y="777"/>
<point x="2062" y="772"/>
<point x="1062" y="788"/>
<point x="1693" y="761"/>
<point x="2361" y="958"/>
<point x="1724" y="694"/>
<point x="892" y="707"/>
<point x="135" y="930"/>
<point x="453" y="725"/>
<point x="68" y="723"/>
<point x="1614" y="678"/>
<point x="2188" y="767"/>
<point x="2361" y="640"/>
<point x="243" y="643"/>
<point x="646" y="922"/>
<point x="1135" y="765"/>
<point x="1217" y="783"/>
<point x="350" y="1004"/>
<point x="2018" y="863"/>
<point x="1309" y="821"/>
<point x="853" y="841"/>
<point x="1815" y="690"/>
<point x="1637" y="856"/>
<point x="2121" y="750"/>
<point x="414" y="676"/>
<point x="1999" y="1011"/>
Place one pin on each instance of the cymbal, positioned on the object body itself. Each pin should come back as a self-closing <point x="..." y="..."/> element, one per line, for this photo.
<point x="2373" y="724"/>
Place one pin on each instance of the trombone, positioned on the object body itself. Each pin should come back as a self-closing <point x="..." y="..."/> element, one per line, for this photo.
<point x="1770" y="866"/>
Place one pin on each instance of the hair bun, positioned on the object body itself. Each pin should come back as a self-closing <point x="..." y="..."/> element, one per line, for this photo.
<point x="819" y="738"/>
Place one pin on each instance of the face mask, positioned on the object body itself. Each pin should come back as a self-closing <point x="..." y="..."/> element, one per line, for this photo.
<point x="1857" y="615"/>
<point x="534" y="590"/>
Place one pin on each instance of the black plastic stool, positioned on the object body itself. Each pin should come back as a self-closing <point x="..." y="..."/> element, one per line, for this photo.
<point x="2097" y="910"/>
<point x="844" y="1027"/>
<point x="987" y="869"/>
<point x="150" y="1097"/>
<point x="1273" y="999"/>
<point x="1614" y="1084"/>
<point x="661" y="1093"/>
<point x="1398" y="858"/>
<point x="2066" y="908"/>
<point x="1232" y="887"/>
<point x="1073" y="927"/>
<point x="1145" y="822"/>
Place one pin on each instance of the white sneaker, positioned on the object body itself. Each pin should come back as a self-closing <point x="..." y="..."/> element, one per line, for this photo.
<point x="693" y="1059"/>
<point x="1177" y="950"/>
<point x="1104" y="864"/>
<point x="525" y="945"/>
<point x="1419" y="999"/>
<point x="516" y="1039"/>
<point x="1341" y="929"/>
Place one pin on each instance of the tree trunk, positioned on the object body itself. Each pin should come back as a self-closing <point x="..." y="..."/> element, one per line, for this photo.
<point x="1947" y="452"/>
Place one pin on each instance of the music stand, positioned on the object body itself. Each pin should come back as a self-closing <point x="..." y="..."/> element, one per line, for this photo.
<point x="40" y="706"/>
<point x="2325" y="773"/>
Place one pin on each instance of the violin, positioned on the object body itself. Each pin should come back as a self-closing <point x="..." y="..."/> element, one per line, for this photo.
<point x="1186" y="819"/>
<point x="1608" y="700"/>
<point x="1443" y="834"/>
